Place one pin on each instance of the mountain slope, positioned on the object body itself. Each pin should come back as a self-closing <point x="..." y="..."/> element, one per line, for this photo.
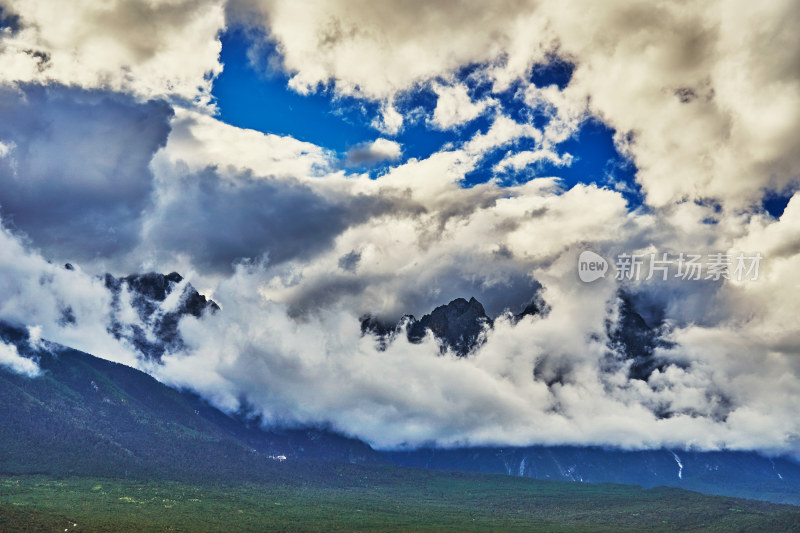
<point x="85" y="415"/>
<point x="730" y="473"/>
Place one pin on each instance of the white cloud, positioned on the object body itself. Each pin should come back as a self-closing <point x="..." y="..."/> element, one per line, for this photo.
<point x="199" y="141"/>
<point x="691" y="85"/>
<point x="517" y="161"/>
<point x="288" y="338"/>
<point x="64" y="306"/>
<point x="707" y="114"/>
<point x="376" y="49"/>
<point x="164" y="48"/>
<point x="502" y="131"/>
<point x="12" y="360"/>
<point x="454" y="106"/>
<point x="374" y="152"/>
<point x="390" y="121"/>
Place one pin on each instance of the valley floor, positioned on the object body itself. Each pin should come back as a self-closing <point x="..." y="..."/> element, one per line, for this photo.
<point x="347" y="498"/>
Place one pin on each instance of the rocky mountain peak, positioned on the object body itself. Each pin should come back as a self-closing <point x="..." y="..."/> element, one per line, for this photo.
<point x="635" y="340"/>
<point x="148" y="292"/>
<point x="459" y="325"/>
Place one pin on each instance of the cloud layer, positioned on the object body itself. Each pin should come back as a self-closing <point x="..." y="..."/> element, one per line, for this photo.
<point x="151" y="49"/>
<point x="75" y="172"/>
<point x="111" y="157"/>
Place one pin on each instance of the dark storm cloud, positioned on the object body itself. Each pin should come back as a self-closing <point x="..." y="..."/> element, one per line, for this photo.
<point x="75" y="172"/>
<point x="349" y="261"/>
<point x="218" y="221"/>
<point x="504" y="287"/>
<point x="9" y="22"/>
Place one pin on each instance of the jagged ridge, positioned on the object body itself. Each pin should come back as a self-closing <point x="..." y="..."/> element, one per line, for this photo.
<point x="148" y="292"/>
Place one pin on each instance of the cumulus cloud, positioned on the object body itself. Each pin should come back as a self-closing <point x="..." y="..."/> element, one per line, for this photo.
<point x="377" y="49"/>
<point x="455" y="107"/>
<point x="520" y="160"/>
<point x="407" y="396"/>
<point x="390" y="121"/>
<point x="152" y="49"/>
<point x="546" y="379"/>
<point x="696" y="101"/>
<point x="225" y="195"/>
<point x="200" y="141"/>
<point x="372" y="153"/>
<point x="75" y="173"/>
<point x="687" y="88"/>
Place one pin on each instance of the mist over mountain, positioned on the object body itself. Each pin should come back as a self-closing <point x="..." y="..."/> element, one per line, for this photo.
<point x="136" y="426"/>
<point x="460" y="327"/>
<point x="82" y="415"/>
<point x="513" y="378"/>
<point x="457" y="326"/>
<point x="157" y="329"/>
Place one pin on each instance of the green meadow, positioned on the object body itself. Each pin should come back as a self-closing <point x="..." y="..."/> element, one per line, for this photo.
<point x="351" y="498"/>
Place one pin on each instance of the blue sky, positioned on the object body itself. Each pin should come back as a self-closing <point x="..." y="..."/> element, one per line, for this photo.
<point x="259" y="98"/>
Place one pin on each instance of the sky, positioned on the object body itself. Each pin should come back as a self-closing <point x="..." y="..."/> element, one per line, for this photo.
<point x="307" y="164"/>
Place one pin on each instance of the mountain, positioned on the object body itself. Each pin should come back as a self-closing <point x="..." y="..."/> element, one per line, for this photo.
<point x="147" y="294"/>
<point x="636" y="341"/>
<point x="458" y="326"/>
<point x="89" y="416"/>
<point x="729" y="473"/>
<point x="633" y="343"/>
